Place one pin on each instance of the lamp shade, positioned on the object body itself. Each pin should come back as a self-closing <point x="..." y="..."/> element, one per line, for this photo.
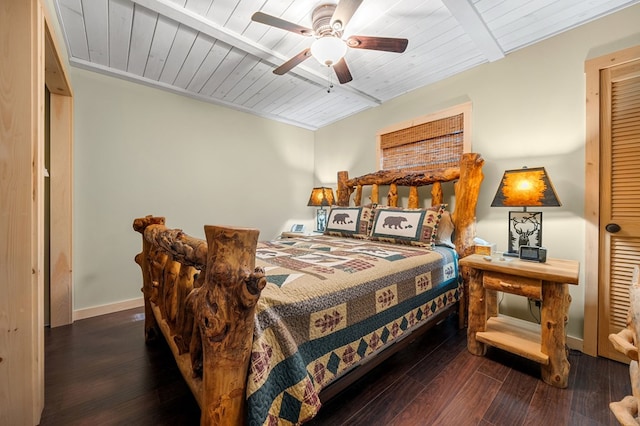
<point x="322" y="196"/>
<point x="328" y="50"/>
<point x="526" y="188"/>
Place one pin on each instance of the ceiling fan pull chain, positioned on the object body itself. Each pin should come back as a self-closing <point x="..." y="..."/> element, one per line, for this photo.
<point x="330" y="84"/>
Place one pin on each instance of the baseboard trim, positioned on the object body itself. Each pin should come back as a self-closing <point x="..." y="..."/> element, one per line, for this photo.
<point x="110" y="308"/>
<point x="575" y="343"/>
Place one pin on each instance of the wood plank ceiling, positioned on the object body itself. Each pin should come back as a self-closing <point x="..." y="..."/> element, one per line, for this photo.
<point x="212" y="51"/>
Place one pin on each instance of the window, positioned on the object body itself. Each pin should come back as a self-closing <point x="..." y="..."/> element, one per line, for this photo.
<point x="430" y="142"/>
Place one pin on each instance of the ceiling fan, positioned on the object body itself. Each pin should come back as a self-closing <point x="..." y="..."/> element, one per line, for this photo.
<point x="329" y="22"/>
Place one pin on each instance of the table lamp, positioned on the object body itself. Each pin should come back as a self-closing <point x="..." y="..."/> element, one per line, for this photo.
<point x="321" y="197"/>
<point x="525" y="188"/>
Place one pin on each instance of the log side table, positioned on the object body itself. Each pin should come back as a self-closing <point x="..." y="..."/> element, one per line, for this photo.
<point x="546" y="282"/>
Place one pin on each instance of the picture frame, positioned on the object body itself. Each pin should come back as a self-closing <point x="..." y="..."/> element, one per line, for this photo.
<point x="525" y="228"/>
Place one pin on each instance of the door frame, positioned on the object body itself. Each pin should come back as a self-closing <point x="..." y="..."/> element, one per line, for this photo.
<point x="61" y="183"/>
<point x="592" y="267"/>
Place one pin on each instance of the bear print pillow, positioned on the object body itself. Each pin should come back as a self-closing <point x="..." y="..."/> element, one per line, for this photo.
<point x="412" y="226"/>
<point x="351" y="222"/>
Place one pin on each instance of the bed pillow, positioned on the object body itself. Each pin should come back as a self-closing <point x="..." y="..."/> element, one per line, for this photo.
<point x="445" y="231"/>
<point x="407" y="226"/>
<point x="350" y="222"/>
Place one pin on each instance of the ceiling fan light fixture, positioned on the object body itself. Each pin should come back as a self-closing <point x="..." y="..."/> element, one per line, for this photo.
<point x="328" y="50"/>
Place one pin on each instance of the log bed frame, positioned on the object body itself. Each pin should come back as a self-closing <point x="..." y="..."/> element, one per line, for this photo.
<point x="201" y="295"/>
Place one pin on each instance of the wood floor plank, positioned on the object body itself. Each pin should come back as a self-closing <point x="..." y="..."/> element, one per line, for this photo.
<point x="577" y="419"/>
<point x="388" y="404"/>
<point x="440" y="390"/>
<point x="596" y="384"/>
<point x="512" y="399"/>
<point x="429" y="368"/>
<point x="549" y="406"/>
<point x="478" y="392"/>
<point x="100" y="371"/>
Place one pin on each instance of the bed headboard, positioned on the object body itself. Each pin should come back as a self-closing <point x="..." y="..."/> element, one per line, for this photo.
<point x="468" y="176"/>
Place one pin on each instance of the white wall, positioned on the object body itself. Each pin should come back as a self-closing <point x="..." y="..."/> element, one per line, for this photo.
<point x="528" y="109"/>
<point x="142" y="151"/>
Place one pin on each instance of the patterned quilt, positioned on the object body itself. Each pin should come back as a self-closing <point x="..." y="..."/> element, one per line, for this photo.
<point x="329" y="303"/>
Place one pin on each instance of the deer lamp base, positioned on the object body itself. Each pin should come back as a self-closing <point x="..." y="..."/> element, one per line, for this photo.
<point x="525" y="229"/>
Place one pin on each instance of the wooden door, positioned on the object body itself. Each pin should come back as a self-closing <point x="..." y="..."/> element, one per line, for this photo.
<point x="619" y="227"/>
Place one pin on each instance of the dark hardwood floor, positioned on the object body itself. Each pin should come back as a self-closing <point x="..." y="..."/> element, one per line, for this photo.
<point x="99" y="371"/>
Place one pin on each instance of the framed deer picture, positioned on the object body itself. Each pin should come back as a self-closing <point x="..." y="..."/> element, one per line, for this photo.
<point x="525" y="229"/>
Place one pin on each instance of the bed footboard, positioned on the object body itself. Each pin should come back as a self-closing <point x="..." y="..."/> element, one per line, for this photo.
<point x="201" y="296"/>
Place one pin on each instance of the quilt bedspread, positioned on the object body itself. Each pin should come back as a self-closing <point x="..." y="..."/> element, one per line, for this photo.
<point x="329" y="303"/>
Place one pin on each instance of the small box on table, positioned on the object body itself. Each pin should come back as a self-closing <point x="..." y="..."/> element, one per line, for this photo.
<point x="485" y="249"/>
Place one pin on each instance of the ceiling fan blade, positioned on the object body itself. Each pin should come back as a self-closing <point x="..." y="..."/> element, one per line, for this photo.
<point x="296" y="60"/>
<point x="273" y="21"/>
<point x="343" y="13"/>
<point x="342" y="71"/>
<point x="386" y="44"/>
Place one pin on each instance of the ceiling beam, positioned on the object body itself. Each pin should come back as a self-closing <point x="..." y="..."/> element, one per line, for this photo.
<point x="210" y="28"/>
<point x="472" y="23"/>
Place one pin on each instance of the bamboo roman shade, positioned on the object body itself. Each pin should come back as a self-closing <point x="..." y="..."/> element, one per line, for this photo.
<point x="426" y="146"/>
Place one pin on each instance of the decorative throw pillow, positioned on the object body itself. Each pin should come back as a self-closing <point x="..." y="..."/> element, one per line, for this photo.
<point x="445" y="231"/>
<point x="350" y="222"/>
<point x="407" y="226"/>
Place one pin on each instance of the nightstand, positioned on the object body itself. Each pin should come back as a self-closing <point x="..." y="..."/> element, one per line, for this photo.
<point x="547" y="282"/>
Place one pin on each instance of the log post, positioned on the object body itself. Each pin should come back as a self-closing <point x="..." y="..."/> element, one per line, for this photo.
<point x="492" y="302"/>
<point x="553" y="317"/>
<point x="477" y="312"/>
<point x="343" y="191"/>
<point x="151" y="330"/>
<point x="467" y="190"/>
<point x="414" y="199"/>
<point x="169" y="293"/>
<point x="184" y="318"/>
<point x="392" y="196"/>
<point x="436" y="194"/>
<point x="157" y="259"/>
<point x="224" y="310"/>
<point x="357" y="199"/>
<point x="375" y="197"/>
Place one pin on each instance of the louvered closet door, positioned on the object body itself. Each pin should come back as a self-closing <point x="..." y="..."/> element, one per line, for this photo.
<point x="619" y="197"/>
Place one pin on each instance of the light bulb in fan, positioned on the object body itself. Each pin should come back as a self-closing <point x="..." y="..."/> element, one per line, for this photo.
<point x="328" y="50"/>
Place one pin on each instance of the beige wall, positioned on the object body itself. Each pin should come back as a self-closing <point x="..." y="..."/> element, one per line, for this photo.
<point x="528" y="109"/>
<point x="142" y="151"/>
